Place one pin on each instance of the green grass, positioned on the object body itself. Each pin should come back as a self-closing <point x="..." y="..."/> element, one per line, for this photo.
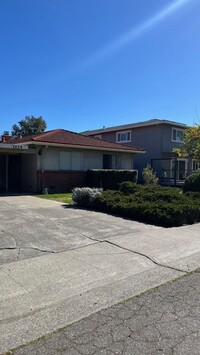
<point x="65" y="197"/>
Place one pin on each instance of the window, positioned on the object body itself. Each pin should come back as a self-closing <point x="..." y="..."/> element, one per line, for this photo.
<point x="123" y="137"/>
<point x="99" y="136"/>
<point x="116" y="161"/>
<point x="177" y="135"/>
<point x="70" y="161"/>
<point x="64" y="160"/>
<point x="75" y="161"/>
<point x="50" y="159"/>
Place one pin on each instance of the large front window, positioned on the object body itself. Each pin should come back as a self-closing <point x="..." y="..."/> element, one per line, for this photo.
<point x="123" y="137"/>
<point x="177" y="135"/>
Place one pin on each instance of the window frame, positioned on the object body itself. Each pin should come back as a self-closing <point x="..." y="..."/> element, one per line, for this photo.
<point x="172" y="136"/>
<point x="123" y="132"/>
<point x="98" y="136"/>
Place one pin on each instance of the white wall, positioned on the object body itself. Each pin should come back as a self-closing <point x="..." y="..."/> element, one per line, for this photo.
<point x="126" y="161"/>
<point x="71" y="159"/>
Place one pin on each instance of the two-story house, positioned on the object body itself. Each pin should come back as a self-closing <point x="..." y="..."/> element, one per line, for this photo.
<point x="158" y="138"/>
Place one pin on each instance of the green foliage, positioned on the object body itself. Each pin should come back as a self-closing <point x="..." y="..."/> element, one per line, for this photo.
<point x="149" y="176"/>
<point x="192" y="183"/>
<point x="195" y="195"/>
<point x="127" y="187"/>
<point x="191" y="143"/>
<point x="157" y="205"/>
<point x="151" y="192"/>
<point x="110" y="179"/>
<point x="29" y="126"/>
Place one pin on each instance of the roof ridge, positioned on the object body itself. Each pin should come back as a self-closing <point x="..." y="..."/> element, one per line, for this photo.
<point x="44" y="133"/>
<point x="126" y="126"/>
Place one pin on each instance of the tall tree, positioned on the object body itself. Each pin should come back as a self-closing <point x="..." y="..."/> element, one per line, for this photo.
<point x="191" y="143"/>
<point x="29" y="126"/>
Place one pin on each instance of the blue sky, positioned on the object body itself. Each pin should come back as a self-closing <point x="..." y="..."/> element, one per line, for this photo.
<point x="84" y="64"/>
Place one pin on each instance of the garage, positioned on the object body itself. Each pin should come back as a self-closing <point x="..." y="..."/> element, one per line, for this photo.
<point x="17" y="169"/>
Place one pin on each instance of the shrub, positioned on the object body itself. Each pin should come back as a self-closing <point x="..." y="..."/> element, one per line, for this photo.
<point x="128" y="187"/>
<point x="149" y="176"/>
<point x="85" y="196"/>
<point x="192" y="183"/>
<point x="110" y="179"/>
<point x="169" y="208"/>
<point x="157" y="205"/>
<point x="151" y="192"/>
<point x="193" y="195"/>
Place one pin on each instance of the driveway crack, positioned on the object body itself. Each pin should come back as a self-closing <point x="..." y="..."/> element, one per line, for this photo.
<point x="147" y="257"/>
<point x="137" y="253"/>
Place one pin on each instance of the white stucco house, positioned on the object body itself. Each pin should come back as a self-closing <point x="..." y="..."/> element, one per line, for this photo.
<point x="57" y="160"/>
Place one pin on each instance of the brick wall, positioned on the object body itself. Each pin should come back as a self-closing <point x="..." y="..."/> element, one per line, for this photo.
<point x="58" y="181"/>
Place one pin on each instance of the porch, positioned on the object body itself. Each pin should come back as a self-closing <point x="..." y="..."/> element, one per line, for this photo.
<point x="173" y="171"/>
<point x="17" y="171"/>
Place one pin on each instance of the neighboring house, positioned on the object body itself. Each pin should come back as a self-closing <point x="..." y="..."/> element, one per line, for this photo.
<point x="158" y="138"/>
<point x="57" y="160"/>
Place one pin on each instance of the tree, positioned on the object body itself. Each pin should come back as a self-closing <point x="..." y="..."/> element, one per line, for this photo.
<point x="29" y="126"/>
<point x="191" y="143"/>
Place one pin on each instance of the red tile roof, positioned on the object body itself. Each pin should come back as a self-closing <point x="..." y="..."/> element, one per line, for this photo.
<point x="68" y="138"/>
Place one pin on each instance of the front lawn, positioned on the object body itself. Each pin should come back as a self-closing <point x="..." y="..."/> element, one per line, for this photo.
<point x="65" y="197"/>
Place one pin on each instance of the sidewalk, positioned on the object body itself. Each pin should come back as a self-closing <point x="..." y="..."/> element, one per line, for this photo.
<point x="87" y="262"/>
<point x="165" y="320"/>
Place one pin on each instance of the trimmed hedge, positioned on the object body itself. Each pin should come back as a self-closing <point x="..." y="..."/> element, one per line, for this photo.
<point x="192" y="183"/>
<point x="157" y="205"/>
<point x="110" y="179"/>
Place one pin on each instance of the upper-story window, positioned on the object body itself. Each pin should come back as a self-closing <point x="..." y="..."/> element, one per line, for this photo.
<point x="123" y="137"/>
<point x="99" y="136"/>
<point x="177" y="135"/>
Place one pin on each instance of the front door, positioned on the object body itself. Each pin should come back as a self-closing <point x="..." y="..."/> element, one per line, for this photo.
<point x="107" y="161"/>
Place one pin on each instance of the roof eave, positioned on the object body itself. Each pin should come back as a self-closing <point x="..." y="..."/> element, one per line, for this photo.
<point x="132" y="126"/>
<point x="38" y="143"/>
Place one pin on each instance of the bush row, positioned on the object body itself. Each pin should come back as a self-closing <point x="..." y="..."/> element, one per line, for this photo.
<point x="161" y="206"/>
<point x="162" y="212"/>
<point x="110" y="179"/>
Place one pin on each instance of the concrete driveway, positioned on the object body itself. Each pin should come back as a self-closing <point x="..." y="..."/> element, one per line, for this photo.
<point x="60" y="264"/>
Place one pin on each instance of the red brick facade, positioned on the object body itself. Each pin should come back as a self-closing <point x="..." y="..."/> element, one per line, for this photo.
<point x="58" y="181"/>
